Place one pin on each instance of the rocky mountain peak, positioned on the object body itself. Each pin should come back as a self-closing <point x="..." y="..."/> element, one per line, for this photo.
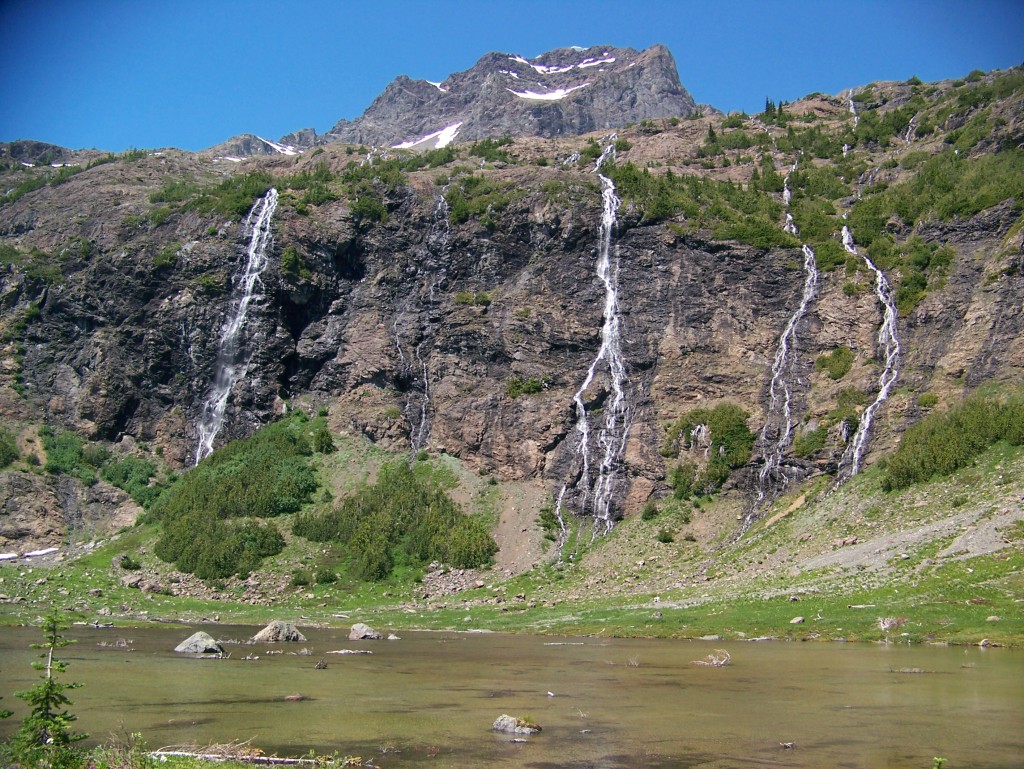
<point x="567" y="91"/>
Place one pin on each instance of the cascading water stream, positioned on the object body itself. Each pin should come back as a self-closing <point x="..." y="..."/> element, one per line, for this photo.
<point x="777" y="432"/>
<point x="232" y="360"/>
<point x="887" y="339"/>
<point x="418" y="414"/>
<point x="595" y="493"/>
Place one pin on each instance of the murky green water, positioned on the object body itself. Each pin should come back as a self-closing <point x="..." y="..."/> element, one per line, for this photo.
<point x="430" y="698"/>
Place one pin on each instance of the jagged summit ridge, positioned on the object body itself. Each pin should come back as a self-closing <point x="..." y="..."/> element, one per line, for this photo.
<point x="566" y="91"/>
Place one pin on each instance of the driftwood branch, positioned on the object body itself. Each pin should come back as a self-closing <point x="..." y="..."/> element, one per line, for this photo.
<point x="242" y="752"/>
<point x="717" y="659"/>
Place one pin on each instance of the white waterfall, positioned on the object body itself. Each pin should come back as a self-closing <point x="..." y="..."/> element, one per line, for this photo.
<point x="595" y="487"/>
<point x="418" y="414"/>
<point x="909" y="135"/>
<point x="779" y="417"/>
<point x="232" y="360"/>
<point x="853" y="111"/>
<point x="777" y="432"/>
<point x="887" y="339"/>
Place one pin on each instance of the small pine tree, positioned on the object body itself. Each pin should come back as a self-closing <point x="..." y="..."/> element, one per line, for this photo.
<point x="45" y="737"/>
<point x="323" y="441"/>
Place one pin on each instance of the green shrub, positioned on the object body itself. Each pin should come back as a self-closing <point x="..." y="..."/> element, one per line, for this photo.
<point x="8" y="447"/>
<point x="129" y="564"/>
<point x="64" y="455"/>
<point x="807" y="444"/>
<point x="403" y="518"/>
<point x="517" y="386"/>
<point x="167" y="257"/>
<point x="650" y="511"/>
<point x="666" y="536"/>
<point x="293" y="265"/>
<point x="265" y="475"/>
<point x="837" y="363"/>
<point x="940" y="444"/>
<point x="323" y="441"/>
<point x="210" y="548"/>
<point x="176" y="191"/>
<point x="326" y="577"/>
<point x="490" y="149"/>
<point x="234" y="196"/>
<point x="133" y="474"/>
<point x="368" y="208"/>
<point x="476" y="195"/>
<point x="300" y="578"/>
<point x="927" y="400"/>
<point x="731" y="444"/>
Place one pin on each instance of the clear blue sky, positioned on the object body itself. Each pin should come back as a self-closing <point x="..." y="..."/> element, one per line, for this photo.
<point x="114" y="74"/>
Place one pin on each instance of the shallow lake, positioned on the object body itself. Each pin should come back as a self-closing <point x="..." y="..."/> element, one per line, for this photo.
<point x="429" y="699"/>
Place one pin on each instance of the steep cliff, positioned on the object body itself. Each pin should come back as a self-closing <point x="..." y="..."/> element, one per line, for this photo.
<point x="430" y="304"/>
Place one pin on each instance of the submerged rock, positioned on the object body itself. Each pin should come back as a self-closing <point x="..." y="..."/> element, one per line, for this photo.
<point x="511" y="725"/>
<point x="279" y="631"/>
<point x="199" y="643"/>
<point x="361" y="632"/>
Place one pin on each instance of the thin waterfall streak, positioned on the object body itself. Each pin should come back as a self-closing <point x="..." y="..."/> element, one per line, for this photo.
<point x="777" y="432"/>
<point x="781" y="365"/>
<point x="423" y="430"/>
<point x="889" y="341"/>
<point x="232" y="362"/>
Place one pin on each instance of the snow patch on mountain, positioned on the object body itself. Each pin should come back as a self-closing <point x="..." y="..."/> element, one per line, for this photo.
<point x="284" y="149"/>
<point x="440" y="139"/>
<point x="555" y="95"/>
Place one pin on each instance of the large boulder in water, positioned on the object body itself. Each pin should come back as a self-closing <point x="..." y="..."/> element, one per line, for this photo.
<point x="199" y="643"/>
<point x="360" y="632"/>
<point x="511" y="725"/>
<point x="277" y="632"/>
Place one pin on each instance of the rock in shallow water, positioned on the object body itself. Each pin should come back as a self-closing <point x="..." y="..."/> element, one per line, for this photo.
<point x="279" y="631"/>
<point x="511" y="725"/>
<point x="199" y="643"/>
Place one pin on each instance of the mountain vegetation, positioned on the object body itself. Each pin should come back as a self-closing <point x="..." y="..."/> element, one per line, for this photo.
<point x="442" y="313"/>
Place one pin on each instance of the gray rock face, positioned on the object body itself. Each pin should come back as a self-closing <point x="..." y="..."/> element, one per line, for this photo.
<point x="199" y="643"/>
<point x="361" y="632"/>
<point x="563" y="92"/>
<point x="279" y="631"/>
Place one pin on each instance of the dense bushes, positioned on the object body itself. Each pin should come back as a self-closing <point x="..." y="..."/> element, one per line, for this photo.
<point x="262" y="476"/>
<point x="942" y="443"/>
<point x="478" y="196"/>
<point x="133" y="474"/>
<point x="8" y="448"/>
<point x="210" y="548"/>
<point x="946" y="185"/>
<point x="730" y="211"/>
<point x="402" y="519"/>
<point x="836" y="363"/>
<point x="234" y="196"/>
<point x="722" y="431"/>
